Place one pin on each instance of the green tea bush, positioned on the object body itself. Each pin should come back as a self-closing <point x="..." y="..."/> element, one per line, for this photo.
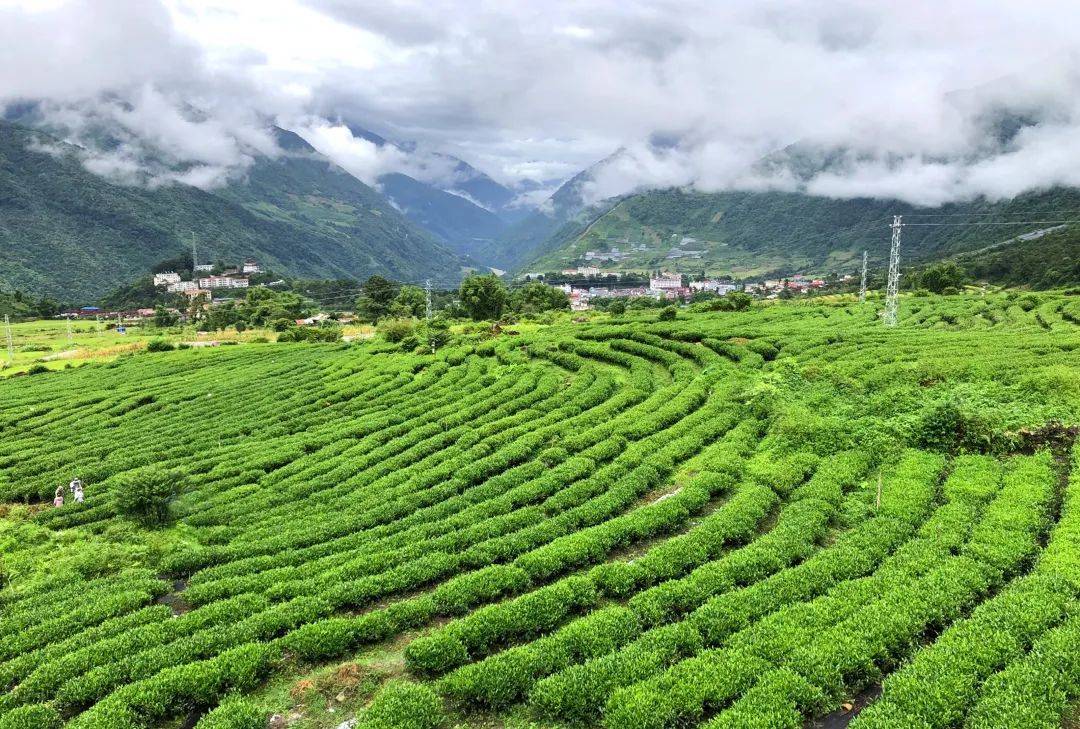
<point x="234" y="713"/>
<point x="404" y="705"/>
<point x="34" y="716"/>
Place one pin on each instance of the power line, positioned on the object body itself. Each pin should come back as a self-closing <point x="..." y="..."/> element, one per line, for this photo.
<point x="996" y="223"/>
<point x="967" y="215"/>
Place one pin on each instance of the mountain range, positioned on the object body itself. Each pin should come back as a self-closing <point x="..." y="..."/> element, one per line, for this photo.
<point x="758" y="233"/>
<point x="71" y="234"/>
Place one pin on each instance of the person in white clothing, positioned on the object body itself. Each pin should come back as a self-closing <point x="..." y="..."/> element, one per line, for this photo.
<point x="78" y="494"/>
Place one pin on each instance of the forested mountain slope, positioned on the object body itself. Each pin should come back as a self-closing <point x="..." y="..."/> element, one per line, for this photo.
<point x="72" y="234"/>
<point x="1050" y="261"/>
<point x="752" y="233"/>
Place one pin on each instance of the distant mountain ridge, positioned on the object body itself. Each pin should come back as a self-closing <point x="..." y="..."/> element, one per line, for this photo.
<point x="72" y="234"/>
<point x="467" y="212"/>
<point x="747" y="234"/>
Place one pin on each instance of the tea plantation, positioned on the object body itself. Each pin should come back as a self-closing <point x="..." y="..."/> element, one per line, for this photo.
<point x="751" y="519"/>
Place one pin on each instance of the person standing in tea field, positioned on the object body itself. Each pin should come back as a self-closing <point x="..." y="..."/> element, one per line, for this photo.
<point x="58" y="497"/>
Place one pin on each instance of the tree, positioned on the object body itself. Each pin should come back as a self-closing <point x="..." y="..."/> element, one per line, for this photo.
<point x="163" y="318"/>
<point x="483" y="296"/>
<point x="411" y="301"/>
<point x="941" y="276"/>
<point x="668" y="313"/>
<point x="436" y="333"/>
<point x="261" y="306"/>
<point x="145" y="493"/>
<point x="535" y="297"/>
<point x="376" y="296"/>
<point x="196" y="307"/>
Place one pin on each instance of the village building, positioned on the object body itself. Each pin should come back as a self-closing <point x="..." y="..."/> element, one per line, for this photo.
<point x="223" y="282"/>
<point x="180" y="287"/>
<point x="665" y="282"/>
<point x="251" y="266"/>
<point x="579" y="300"/>
<point x="166" y="278"/>
<point x="721" y="288"/>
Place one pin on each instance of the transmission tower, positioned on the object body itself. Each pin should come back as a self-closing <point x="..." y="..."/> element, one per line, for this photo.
<point x="68" y="319"/>
<point x="194" y="254"/>
<point x="427" y="290"/>
<point x="10" y="341"/>
<point x="862" y="283"/>
<point x="893" y="289"/>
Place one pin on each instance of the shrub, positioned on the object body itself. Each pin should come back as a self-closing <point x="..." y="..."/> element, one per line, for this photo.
<point x="145" y="494"/>
<point x="668" y="313"/>
<point x="1027" y="302"/>
<point x="159" y="345"/>
<point x="37" y="369"/>
<point x="404" y="705"/>
<point x="955" y="427"/>
<point x="234" y="713"/>
<point x="397" y="330"/>
<point x="35" y="716"/>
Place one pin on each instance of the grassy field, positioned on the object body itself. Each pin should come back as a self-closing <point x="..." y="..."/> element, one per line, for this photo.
<point x="46" y="342"/>
<point x="733" y="519"/>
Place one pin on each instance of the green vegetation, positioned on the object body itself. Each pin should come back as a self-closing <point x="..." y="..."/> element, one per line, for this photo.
<point x="741" y="516"/>
<point x="73" y="235"/>
<point x="753" y="234"/>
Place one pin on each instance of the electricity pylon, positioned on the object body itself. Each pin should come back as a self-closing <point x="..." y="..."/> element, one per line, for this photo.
<point x="862" y="283"/>
<point x="892" y="291"/>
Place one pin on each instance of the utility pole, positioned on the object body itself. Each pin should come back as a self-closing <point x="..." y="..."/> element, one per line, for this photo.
<point x="862" y="284"/>
<point x="427" y="290"/>
<point x="194" y="254"/>
<point x="892" y="291"/>
<point x="10" y="341"/>
<point x="68" y="320"/>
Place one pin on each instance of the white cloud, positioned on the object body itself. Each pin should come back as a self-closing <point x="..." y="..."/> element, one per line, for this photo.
<point x="902" y="93"/>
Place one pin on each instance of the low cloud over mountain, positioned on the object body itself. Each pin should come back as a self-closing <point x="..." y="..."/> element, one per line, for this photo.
<point x="925" y="102"/>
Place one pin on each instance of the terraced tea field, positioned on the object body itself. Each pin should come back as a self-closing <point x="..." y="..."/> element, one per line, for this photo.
<point x="752" y="519"/>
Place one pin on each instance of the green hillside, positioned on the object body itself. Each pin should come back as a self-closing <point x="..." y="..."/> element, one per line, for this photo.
<point x="754" y="233"/>
<point x="70" y="234"/>
<point x="1047" y="262"/>
<point x="453" y="220"/>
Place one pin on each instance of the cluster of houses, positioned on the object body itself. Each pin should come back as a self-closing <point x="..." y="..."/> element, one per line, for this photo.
<point x="661" y="286"/>
<point x="795" y="284"/>
<point x="205" y="281"/>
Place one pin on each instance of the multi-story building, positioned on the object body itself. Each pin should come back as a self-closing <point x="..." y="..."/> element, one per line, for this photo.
<point x="665" y="282"/>
<point x="717" y="287"/>
<point x="223" y="282"/>
<point x="166" y="278"/>
<point x="179" y="287"/>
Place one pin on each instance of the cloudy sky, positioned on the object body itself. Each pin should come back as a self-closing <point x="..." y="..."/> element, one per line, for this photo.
<point x="910" y="95"/>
